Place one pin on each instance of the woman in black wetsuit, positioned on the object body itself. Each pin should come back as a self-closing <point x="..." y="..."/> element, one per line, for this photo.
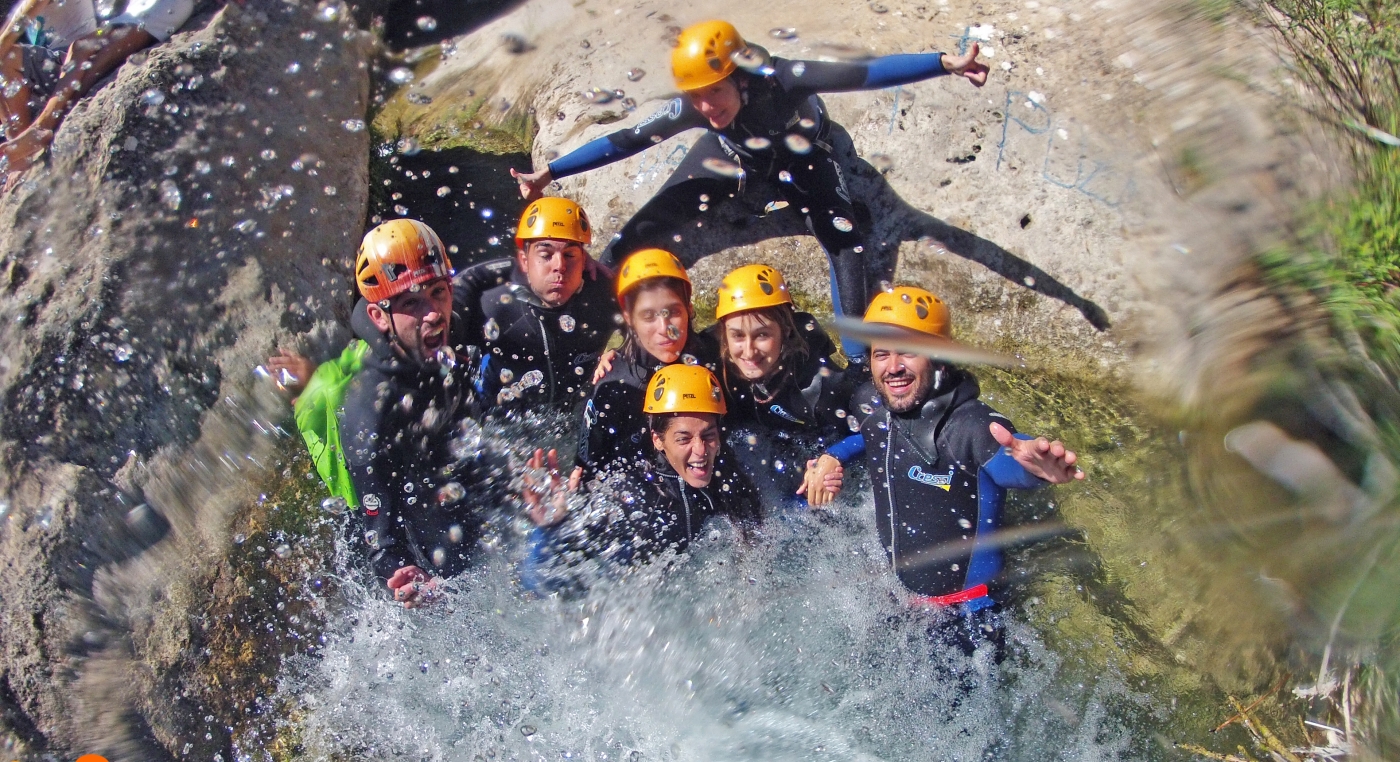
<point x="654" y="293"/>
<point x="765" y="120"/>
<point x="787" y="396"/>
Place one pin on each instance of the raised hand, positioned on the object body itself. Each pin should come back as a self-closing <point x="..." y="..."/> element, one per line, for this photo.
<point x="547" y="495"/>
<point x="967" y="66"/>
<point x="291" y="371"/>
<point x="413" y="587"/>
<point x="1048" y="460"/>
<point x="532" y="185"/>
<point x="822" y="481"/>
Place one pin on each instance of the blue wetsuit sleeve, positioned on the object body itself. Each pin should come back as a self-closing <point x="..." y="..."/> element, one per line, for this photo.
<point x="1007" y="473"/>
<point x="591" y="155"/>
<point x="889" y="71"/>
<point x="852" y="446"/>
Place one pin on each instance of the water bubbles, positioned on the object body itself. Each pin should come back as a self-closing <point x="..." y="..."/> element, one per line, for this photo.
<point x="487" y="213"/>
<point x="153" y="97"/>
<point x="202" y="167"/>
<point x="308" y="36"/>
<point x="723" y="168"/>
<point x="528" y="730"/>
<point x="455" y="534"/>
<point x="418" y="99"/>
<point x="494" y="240"/>
<point x="353" y="125"/>
<point x="507" y="375"/>
<point x="170" y="195"/>
<point x="372" y="538"/>
<point x="268" y="154"/>
<point x="246" y="226"/>
<point x="408" y="146"/>
<point x="492" y="330"/>
<point x="673" y="331"/>
<point x="532" y="378"/>
<point x="240" y="538"/>
<point x="753" y="59"/>
<point x="758" y="144"/>
<point x="328" y="11"/>
<point x="334" y="505"/>
<point x="882" y="163"/>
<point x="785" y="176"/>
<point x="450" y="493"/>
<point x="879" y="8"/>
<point x="329" y="190"/>
<point x="293" y="67"/>
<point x="427" y="23"/>
<point x="964" y="523"/>
<point x="597" y="96"/>
<point x="798" y="144"/>
<point x="283" y="550"/>
<point x="773" y="206"/>
<point x="400" y="210"/>
<point x="783" y="33"/>
<point x="228" y="161"/>
<point x="122" y="353"/>
<point x="401" y="75"/>
<point x="842" y="224"/>
<point x="866" y="408"/>
<point x="444" y="192"/>
<point x="567" y="323"/>
<point x="635" y="74"/>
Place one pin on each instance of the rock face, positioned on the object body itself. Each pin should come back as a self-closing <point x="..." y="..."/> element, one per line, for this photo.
<point x="196" y="208"/>
<point x="1107" y="174"/>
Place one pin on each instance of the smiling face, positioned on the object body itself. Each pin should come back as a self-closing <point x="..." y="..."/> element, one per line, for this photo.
<point x="660" y="319"/>
<point x="719" y="103"/>
<point x="753" y="344"/>
<point x="690" y="443"/>
<point x="902" y="380"/>
<point x="553" y="267"/>
<point x="420" y="319"/>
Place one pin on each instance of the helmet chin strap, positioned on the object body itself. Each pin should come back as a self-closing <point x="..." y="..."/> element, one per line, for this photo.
<point x="393" y="333"/>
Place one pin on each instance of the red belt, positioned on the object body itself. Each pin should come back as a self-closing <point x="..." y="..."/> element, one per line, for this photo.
<point x="962" y="596"/>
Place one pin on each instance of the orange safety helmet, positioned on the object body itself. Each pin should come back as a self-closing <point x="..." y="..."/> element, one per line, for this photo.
<point x="705" y="53"/>
<point x="751" y="287"/>
<point x="681" y="388"/>
<point x="646" y="264"/>
<point x="397" y="256"/>
<point x="913" y="308"/>
<point x="553" y="217"/>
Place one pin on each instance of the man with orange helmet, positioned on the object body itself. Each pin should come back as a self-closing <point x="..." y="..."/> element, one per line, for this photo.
<point x="404" y="409"/>
<point x="543" y="327"/>
<point x="765" y="121"/>
<point x="940" y="461"/>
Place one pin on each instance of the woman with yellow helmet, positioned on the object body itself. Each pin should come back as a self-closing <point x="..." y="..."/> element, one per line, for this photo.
<point x="765" y="121"/>
<point x="787" y="396"/>
<point x="653" y="291"/>
<point x="659" y="505"/>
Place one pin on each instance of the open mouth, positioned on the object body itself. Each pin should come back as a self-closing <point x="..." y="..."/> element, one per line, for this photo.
<point x="434" y="338"/>
<point x="897" y="385"/>
<point x="698" y="470"/>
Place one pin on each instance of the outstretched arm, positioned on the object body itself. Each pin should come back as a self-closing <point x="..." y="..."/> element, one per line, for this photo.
<point x="1026" y="463"/>
<point x="886" y="71"/>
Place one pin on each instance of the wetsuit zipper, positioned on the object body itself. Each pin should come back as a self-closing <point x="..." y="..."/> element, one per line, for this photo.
<point x="685" y="501"/>
<point x="889" y="489"/>
<point x="548" y="361"/>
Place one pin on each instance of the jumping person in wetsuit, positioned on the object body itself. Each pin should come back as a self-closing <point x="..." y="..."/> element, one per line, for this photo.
<point x="940" y="462"/>
<point x="764" y="120"/>
<point x="654" y="293"/>
<point x="542" y="330"/>
<point x="634" y="515"/>
<point x="787" y="396"/>
<point x="403" y="409"/>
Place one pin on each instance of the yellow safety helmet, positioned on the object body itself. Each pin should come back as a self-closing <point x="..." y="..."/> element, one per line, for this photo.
<point x="647" y="264"/>
<point x="751" y="287"/>
<point x="704" y="55"/>
<point x="396" y="256"/>
<point x="913" y="308"/>
<point x="681" y="388"/>
<point x="554" y="218"/>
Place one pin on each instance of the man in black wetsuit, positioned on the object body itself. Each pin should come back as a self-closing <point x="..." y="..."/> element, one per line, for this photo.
<point x="765" y="121"/>
<point x="940" y="462"/>
<point x="404" y="411"/>
<point x="543" y="328"/>
<point x="634" y="515"/>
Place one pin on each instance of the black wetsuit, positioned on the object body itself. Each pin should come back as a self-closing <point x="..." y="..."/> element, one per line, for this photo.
<point x="939" y="481"/>
<point x="535" y="356"/>
<point x="397" y="427"/>
<point x="614" y="430"/>
<point x="635" y="515"/>
<point x="780" y="133"/>
<point x="774" y="428"/>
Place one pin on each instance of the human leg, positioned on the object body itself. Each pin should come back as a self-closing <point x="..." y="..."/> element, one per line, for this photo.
<point x="690" y="191"/>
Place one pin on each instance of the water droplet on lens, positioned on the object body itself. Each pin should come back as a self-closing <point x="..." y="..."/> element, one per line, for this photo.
<point x="528" y="730"/>
<point x="866" y="408"/>
<point x="170" y="194"/>
<point x="444" y="192"/>
<point x="758" y="144"/>
<point x="783" y="33"/>
<point x="673" y="331"/>
<point x="507" y="375"/>
<point x="328" y="11"/>
<point x="879" y="8"/>
<point x="450" y="493"/>
<point x="598" y="96"/>
<point x="454" y="534"/>
<point x="427" y="23"/>
<point x="283" y="550"/>
<point x="882" y="163"/>
<point x="122" y="353"/>
<point x="401" y="75"/>
<point x="635" y="74"/>
<point x="334" y="505"/>
<point x="842" y="224"/>
<point x="785" y="176"/>
<point x="153" y="97"/>
<point x="723" y="168"/>
<point x="353" y="125"/>
<point x="439" y="559"/>
<point x="798" y="144"/>
<point x="240" y="538"/>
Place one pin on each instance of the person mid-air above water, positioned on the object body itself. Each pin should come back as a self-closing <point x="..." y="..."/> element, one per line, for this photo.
<point x="765" y="121"/>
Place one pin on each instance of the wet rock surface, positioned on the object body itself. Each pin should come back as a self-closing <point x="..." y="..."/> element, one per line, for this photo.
<point x="197" y="208"/>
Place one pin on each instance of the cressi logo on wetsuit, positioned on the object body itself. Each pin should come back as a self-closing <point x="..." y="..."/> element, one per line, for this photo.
<point x="941" y="481"/>
<point x="785" y="415"/>
<point x="671" y="111"/>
